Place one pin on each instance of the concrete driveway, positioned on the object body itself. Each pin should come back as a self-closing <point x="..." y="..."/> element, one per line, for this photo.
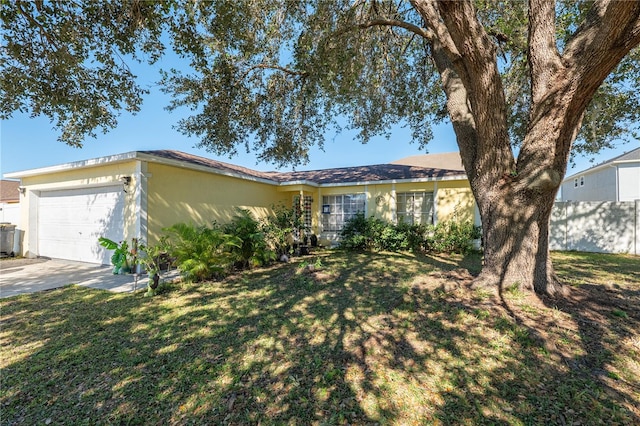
<point x="19" y="276"/>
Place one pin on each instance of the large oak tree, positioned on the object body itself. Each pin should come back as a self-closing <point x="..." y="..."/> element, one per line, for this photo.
<point x="539" y="79"/>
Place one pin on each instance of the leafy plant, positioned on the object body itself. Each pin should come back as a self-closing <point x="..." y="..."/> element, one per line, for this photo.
<point x="152" y="257"/>
<point x="453" y="237"/>
<point x="201" y="252"/>
<point x="357" y="233"/>
<point x="122" y="258"/>
<point x="253" y="250"/>
<point x="280" y="227"/>
<point x="360" y="234"/>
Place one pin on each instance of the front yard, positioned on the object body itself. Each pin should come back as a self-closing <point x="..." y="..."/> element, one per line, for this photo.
<point x="362" y="339"/>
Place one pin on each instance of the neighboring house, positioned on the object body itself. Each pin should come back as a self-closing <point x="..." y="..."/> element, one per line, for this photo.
<point x="615" y="180"/>
<point x="65" y="208"/>
<point x="10" y="202"/>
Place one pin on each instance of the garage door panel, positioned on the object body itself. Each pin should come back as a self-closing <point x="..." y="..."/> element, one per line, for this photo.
<point x="71" y="221"/>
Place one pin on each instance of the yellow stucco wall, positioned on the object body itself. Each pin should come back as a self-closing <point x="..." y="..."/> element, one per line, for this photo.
<point x="170" y="194"/>
<point x="83" y="177"/>
<point x="177" y="194"/>
<point x="454" y="199"/>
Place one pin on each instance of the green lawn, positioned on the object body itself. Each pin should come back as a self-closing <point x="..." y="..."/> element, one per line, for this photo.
<point x="366" y="339"/>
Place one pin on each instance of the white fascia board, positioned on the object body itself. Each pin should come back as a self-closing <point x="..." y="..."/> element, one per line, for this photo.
<point x="206" y="169"/>
<point x="100" y="161"/>
<point x="301" y="182"/>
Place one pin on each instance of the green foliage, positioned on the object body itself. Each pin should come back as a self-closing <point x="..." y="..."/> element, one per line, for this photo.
<point x="153" y="257"/>
<point x="280" y="227"/>
<point x="360" y="234"/>
<point x="356" y="234"/>
<point x="201" y="252"/>
<point x="254" y="250"/>
<point x="452" y="237"/>
<point x="122" y="258"/>
<point x="303" y="69"/>
<point x="68" y="60"/>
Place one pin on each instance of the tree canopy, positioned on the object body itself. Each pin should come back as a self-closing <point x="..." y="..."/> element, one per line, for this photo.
<point x="274" y="76"/>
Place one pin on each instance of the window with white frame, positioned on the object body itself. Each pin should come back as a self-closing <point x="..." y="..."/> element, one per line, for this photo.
<point x="581" y="180"/>
<point x="415" y="207"/>
<point x="338" y="209"/>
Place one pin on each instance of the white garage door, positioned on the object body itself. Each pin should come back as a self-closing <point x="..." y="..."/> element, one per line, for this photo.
<point x="71" y="221"/>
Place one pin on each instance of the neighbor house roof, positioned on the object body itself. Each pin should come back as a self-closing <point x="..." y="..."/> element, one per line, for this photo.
<point x="628" y="157"/>
<point x="445" y="161"/>
<point x="9" y="191"/>
<point x="336" y="176"/>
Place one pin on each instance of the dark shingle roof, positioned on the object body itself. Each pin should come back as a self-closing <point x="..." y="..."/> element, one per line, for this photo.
<point x="379" y="172"/>
<point x="207" y="162"/>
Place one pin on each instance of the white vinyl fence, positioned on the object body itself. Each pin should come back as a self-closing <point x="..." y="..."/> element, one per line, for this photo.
<point x="596" y="226"/>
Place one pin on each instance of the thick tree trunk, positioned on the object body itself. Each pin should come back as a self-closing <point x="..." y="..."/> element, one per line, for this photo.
<point x="516" y="240"/>
<point x="515" y="198"/>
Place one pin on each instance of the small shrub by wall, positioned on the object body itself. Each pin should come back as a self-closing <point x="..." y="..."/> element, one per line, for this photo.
<point x="360" y="234"/>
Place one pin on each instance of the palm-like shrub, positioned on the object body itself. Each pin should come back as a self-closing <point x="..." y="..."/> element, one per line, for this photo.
<point x="202" y="252"/>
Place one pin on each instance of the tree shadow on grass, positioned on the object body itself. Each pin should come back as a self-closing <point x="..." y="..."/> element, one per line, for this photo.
<point x="368" y="338"/>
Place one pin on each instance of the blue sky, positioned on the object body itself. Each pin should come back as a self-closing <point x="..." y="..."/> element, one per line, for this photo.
<point x="28" y="143"/>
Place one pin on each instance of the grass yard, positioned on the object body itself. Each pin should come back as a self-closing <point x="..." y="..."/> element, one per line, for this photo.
<point x="365" y="339"/>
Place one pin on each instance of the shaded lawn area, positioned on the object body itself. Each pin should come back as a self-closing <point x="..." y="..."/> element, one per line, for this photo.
<point x="366" y="339"/>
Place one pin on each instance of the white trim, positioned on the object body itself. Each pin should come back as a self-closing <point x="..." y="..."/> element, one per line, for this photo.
<point x="435" y="204"/>
<point x="112" y="159"/>
<point x="394" y="204"/>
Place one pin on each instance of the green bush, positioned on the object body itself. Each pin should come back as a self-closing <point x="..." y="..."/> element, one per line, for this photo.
<point x="360" y="234"/>
<point x="357" y="233"/>
<point x="453" y="237"/>
<point x="254" y="250"/>
<point x="200" y="252"/>
<point x="279" y="228"/>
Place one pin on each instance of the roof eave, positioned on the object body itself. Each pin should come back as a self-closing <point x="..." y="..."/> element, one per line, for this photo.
<point x="93" y="162"/>
<point x="198" y="167"/>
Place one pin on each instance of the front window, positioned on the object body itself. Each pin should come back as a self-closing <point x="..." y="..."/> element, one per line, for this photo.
<point x="338" y="209"/>
<point x="415" y="207"/>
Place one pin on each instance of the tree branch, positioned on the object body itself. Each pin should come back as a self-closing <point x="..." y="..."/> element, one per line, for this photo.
<point x="382" y="22"/>
<point x="34" y="22"/>
<point x="276" y="67"/>
<point x="428" y="12"/>
<point x="474" y="60"/>
<point x="611" y="30"/>
<point x="543" y="56"/>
